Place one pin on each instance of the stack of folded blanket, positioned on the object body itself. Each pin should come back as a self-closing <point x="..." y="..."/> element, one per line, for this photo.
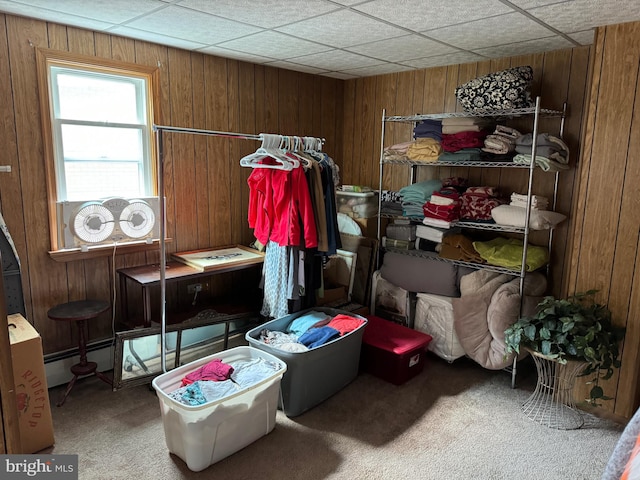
<point x="424" y="150"/>
<point x="397" y="151"/>
<point x="552" y="154"/>
<point x="459" y="247"/>
<point x="414" y="196"/>
<point x="515" y="213"/>
<point x="502" y="141"/>
<point x="443" y="205"/>
<point x="462" y="138"/>
<point x="390" y="203"/>
<point x="428" y="128"/>
<point x="477" y="203"/>
<point x="537" y="202"/>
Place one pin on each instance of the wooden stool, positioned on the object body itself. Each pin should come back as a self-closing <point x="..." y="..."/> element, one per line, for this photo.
<point x="80" y="312"/>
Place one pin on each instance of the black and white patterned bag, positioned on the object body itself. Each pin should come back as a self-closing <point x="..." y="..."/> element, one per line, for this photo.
<point x="504" y="90"/>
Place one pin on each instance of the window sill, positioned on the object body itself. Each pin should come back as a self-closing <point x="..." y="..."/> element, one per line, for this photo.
<point x="73" y="254"/>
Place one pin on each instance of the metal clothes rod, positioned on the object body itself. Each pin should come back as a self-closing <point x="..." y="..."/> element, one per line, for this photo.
<point x="159" y="129"/>
<point x="213" y="133"/>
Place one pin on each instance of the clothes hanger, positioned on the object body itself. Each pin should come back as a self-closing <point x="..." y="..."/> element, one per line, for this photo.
<point x="267" y="149"/>
<point x="293" y="148"/>
<point x="285" y="146"/>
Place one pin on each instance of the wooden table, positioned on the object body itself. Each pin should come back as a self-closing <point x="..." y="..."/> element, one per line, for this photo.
<point x="79" y="312"/>
<point x="148" y="276"/>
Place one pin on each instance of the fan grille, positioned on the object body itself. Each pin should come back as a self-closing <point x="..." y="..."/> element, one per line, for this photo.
<point x="93" y="223"/>
<point x="137" y="219"/>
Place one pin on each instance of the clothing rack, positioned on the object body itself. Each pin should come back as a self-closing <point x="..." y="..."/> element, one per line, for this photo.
<point x="158" y="130"/>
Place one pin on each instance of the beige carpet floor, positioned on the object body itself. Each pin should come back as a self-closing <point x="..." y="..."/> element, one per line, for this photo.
<point x="453" y="421"/>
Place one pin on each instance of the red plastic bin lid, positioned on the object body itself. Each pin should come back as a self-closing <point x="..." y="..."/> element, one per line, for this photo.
<point x="393" y="337"/>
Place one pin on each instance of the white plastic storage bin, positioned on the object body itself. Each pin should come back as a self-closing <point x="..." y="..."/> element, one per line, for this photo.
<point x="358" y="204"/>
<point x="434" y="315"/>
<point x="202" y="435"/>
<point x="316" y="374"/>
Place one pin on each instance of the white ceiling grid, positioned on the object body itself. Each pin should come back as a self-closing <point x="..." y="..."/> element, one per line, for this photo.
<point x="344" y="38"/>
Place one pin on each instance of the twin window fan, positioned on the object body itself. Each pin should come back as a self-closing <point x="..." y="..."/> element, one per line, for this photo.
<point x="108" y="221"/>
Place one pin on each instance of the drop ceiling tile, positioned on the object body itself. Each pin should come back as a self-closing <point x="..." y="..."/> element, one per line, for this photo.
<point x="584" y="37"/>
<point x="272" y="13"/>
<point x="190" y="25"/>
<point x="402" y="48"/>
<point x="527" y="4"/>
<point x="448" y="59"/>
<point x="377" y="70"/>
<point x="340" y="75"/>
<point x="235" y="55"/>
<point x="113" y="11"/>
<point x="421" y="15"/>
<point x="581" y="15"/>
<point x="274" y="45"/>
<point x="297" y="67"/>
<point x="538" y="45"/>
<point x="336" y="60"/>
<point x="52" y="16"/>
<point x="487" y="32"/>
<point x="155" y="38"/>
<point x="342" y="29"/>
<point x="349" y="2"/>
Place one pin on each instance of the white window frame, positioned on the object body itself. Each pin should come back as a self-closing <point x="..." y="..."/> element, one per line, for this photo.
<point x="51" y="128"/>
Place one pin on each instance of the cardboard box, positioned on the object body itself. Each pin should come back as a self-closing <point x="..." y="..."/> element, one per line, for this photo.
<point x="34" y="412"/>
<point x="339" y="275"/>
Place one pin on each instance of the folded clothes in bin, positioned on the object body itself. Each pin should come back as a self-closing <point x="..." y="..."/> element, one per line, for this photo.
<point x="216" y="380"/>
<point x="315" y="374"/>
<point x="310" y="330"/>
<point x="201" y="435"/>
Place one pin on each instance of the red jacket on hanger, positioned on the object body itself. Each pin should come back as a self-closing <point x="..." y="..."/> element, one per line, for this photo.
<point x="280" y="207"/>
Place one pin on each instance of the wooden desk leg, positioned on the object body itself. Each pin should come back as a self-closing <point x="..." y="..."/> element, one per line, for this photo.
<point x="124" y="299"/>
<point x="146" y="306"/>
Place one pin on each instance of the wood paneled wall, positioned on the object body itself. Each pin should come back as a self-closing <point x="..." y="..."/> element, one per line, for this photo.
<point x="560" y="77"/>
<point x="205" y="187"/>
<point x="606" y="236"/>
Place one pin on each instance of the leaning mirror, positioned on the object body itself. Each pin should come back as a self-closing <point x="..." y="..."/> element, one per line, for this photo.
<point x="137" y="357"/>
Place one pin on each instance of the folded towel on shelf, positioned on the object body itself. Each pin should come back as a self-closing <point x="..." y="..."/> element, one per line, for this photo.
<point x="434" y="222"/>
<point x="459" y="247"/>
<point x="546" y="164"/>
<point x="466" y="121"/>
<point x="498" y="144"/>
<point x="457" y="141"/>
<point x="433" y="234"/>
<point x="424" y="149"/>
<point x="507" y="252"/>
<point x="398" y="148"/>
<point x="507" y="132"/>
<point x="547" y="145"/>
<point x="420" y="192"/>
<point x="428" y="128"/>
<point x="537" y="201"/>
<point x="462" y="155"/>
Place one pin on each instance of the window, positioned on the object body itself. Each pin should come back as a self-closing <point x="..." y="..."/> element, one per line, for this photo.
<point x="97" y="117"/>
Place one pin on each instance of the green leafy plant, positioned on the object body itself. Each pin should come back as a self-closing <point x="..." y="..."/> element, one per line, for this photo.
<point x="576" y="328"/>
